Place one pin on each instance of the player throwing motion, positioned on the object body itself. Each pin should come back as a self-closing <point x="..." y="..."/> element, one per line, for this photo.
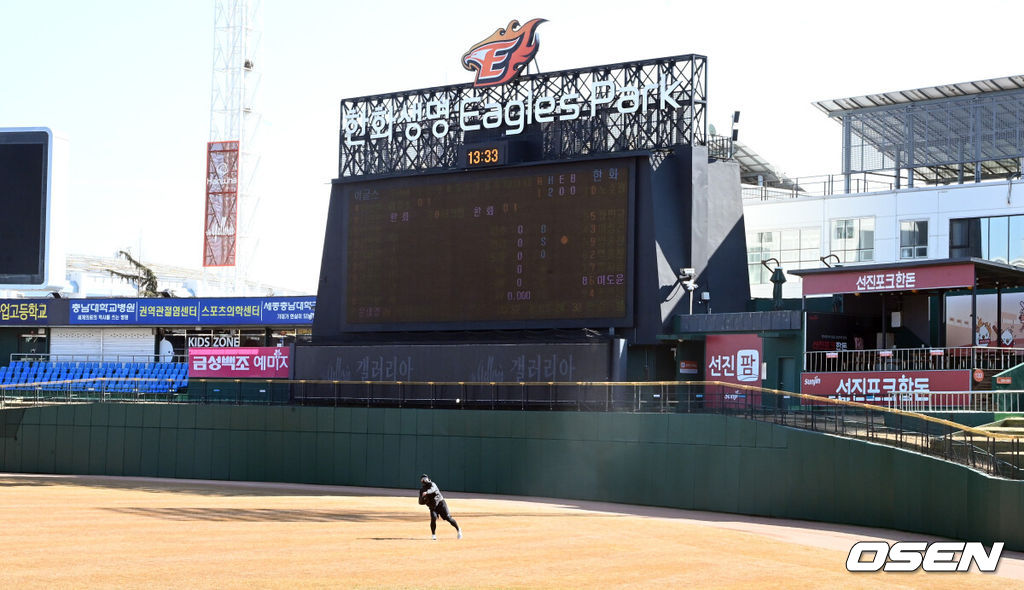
<point x="431" y="496"/>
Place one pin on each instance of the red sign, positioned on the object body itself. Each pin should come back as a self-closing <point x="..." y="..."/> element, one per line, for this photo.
<point x="220" y="228"/>
<point x="502" y="56"/>
<point x="883" y="386"/>
<point x="734" y="358"/>
<point x="941" y="276"/>
<point x="689" y="367"/>
<point x="1004" y="380"/>
<point x="263" y="362"/>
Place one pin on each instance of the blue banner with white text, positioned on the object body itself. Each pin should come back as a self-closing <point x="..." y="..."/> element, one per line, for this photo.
<point x="218" y="311"/>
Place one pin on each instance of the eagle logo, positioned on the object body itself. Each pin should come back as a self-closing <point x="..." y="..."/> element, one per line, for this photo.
<point x="500" y="57"/>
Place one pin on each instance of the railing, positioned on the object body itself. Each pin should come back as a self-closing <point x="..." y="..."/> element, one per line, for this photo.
<point x="89" y="390"/>
<point x="998" y="454"/>
<point x="720" y="146"/>
<point x="914" y="359"/>
<point x="91" y="358"/>
<point x="862" y="182"/>
<point x="819" y="186"/>
<point x="954" y="402"/>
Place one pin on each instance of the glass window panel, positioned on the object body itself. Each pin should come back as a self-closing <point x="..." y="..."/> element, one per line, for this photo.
<point x="1017" y="240"/>
<point x="999" y="238"/>
<point x="754" y="273"/>
<point x="867" y="238"/>
<point x="957" y="234"/>
<point x="984" y="238"/>
<point x="811" y="238"/>
<point x="790" y="239"/>
<point x="907" y="238"/>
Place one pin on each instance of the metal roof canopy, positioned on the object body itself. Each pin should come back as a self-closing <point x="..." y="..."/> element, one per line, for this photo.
<point x="986" y="274"/>
<point x="753" y="166"/>
<point x="938" y="133"/>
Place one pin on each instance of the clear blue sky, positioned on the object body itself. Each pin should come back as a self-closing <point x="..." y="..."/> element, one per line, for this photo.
<point x="128" y="83"/>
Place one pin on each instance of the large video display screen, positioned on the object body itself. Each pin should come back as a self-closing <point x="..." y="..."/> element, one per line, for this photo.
<point x="23" y="180"/>
<point x="540" y="245"/>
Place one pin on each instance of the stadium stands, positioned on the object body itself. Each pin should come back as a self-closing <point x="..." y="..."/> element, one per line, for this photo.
<point x="121" y="377"/>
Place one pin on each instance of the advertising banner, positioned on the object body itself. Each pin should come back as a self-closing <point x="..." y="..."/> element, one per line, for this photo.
<point x="221" y="311"/>
<point x="220" y="228"/>
<point x="884" y="387"/>
<point x="258" y="362"/>
<point x="458" y="362"/>
<point x="940" y="276"/>
<point x="26" y="312"/>
<point x="733" y="358"/>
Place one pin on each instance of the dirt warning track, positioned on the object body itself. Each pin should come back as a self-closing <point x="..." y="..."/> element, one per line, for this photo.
<point x="110" y="532"/>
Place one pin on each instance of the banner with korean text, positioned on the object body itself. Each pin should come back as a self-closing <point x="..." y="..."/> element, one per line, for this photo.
<point x="256" y="362"/>
<point x="213" y="311"/>
<point x="887" y="387"/>
<point x="26" y="312"/>
<point x="220" y="228"/>
<point x="889" y="280"/>
<point x="734" y="358"/>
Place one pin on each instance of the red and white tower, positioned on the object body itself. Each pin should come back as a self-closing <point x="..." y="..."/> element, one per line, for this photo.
<point x="232" y="156"/>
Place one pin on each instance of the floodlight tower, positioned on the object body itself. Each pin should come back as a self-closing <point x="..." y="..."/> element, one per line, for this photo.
<point x="232" y="154"/>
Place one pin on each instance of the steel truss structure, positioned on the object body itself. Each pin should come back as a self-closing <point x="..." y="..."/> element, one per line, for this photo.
<point x="938" y="135"/>
<point x="375" y="138"/>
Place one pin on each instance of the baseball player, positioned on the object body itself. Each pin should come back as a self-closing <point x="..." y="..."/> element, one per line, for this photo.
<point x="431" y="496"/>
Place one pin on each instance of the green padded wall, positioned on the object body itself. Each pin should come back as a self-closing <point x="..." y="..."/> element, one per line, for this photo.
<point x="692" y="461"/>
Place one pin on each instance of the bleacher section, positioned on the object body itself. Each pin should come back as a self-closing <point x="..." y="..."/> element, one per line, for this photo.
<point x="117" y="377"/>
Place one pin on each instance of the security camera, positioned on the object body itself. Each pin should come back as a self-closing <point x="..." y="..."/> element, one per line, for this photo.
<point x="687" y="273"/>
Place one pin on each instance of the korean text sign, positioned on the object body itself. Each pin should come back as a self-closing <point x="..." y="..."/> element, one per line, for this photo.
<point x="733" y="358"/>
<point x="210" y="311"/>
<point x="256" y="362"/>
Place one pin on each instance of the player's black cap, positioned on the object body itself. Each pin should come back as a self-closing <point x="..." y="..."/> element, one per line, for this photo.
<point x="425" y="476"/>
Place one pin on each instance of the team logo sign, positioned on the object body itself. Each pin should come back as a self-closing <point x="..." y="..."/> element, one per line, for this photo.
<point x="500" y="57"/>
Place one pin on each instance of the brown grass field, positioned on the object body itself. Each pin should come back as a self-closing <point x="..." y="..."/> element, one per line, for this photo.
<point x="109" y="532"/>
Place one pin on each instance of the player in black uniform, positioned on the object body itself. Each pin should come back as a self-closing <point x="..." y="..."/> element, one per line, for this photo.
<point x="431" y="496"/>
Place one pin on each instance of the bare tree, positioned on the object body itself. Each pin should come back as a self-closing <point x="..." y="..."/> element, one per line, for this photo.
<point x="143" y="278"/>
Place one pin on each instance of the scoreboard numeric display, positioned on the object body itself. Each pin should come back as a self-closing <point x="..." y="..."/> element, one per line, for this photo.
<point x="492" y="156"/>
<point x="485" y="154"/>
<point x="536" y="246"/>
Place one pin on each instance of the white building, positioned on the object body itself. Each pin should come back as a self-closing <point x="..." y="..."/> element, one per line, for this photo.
<point x="930" y="173"/>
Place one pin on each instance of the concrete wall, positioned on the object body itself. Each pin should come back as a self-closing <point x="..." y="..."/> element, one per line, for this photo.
<point x="701" y="462"/>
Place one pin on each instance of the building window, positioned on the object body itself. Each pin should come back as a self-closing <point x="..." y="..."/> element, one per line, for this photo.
<point x="853" y="240"/>
<point x="914" y="239"/>
<point x="999" y="239"/>
<point x="794" y="248"/>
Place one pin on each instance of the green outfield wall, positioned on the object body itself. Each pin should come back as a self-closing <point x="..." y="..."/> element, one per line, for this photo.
<point x="694" y="461"/>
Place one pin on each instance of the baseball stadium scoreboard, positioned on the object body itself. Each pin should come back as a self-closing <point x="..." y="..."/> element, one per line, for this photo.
<point x="477" y="230"/>
<point x="547" y="244"/>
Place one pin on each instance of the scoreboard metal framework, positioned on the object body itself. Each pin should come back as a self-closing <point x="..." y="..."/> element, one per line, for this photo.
<point x="626" y="107"/>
